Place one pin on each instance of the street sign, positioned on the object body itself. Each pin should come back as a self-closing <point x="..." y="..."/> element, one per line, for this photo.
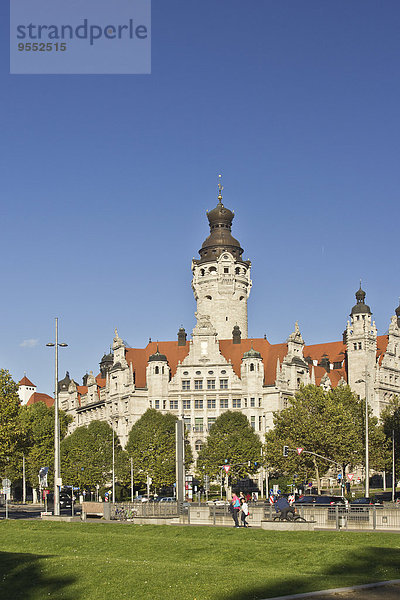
<point x="299" y="450"/>
<point x="227" y="467"/>
<point x="350" y="476"/>
<point x="6" y="483"/>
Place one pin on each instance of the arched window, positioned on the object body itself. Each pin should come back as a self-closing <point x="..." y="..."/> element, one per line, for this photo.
<point x="156" y="370"/>
<point x="198" y="445"/>
<point x="208" y="298"/>
<point x="251" y="367"/>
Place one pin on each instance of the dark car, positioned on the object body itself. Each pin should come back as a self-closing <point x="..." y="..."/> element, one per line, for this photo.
<point x="387" y="496"/>
<point x="360" y="502"/>
<point x="315" y="500"/>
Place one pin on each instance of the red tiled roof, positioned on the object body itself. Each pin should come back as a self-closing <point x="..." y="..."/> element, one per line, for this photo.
<point x="38" y="397"/>
<point x="25" y="381"/>
<point x="100" y="381"/>
<point x="335" y="351"/>
<point x="139" y="358"/>
<point x="381" y="342"/>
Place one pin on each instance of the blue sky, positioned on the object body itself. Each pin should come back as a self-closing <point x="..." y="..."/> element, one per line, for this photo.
<point x="105" y="180"/>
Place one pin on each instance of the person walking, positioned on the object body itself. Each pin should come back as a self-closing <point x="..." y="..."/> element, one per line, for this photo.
<point x="244" y="513"/>
<point x="234" y="508"/>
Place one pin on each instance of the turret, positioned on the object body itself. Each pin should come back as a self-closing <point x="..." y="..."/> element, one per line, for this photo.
<point x="221" y="278"/>
<point x="361" y="343"/>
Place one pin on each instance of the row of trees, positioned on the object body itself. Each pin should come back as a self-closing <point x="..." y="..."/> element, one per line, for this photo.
<point x="330" y="424"/>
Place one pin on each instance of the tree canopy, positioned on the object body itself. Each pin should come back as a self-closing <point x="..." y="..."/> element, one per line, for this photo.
<point x="37" y="427"/>
<point x="10" y="431"/>
<point x="232" y="441"/>
<point x="331" y="424"/>
<point x="391" y="425"/>
<point x="151" y="445"/>
<point x="86" y="455"/>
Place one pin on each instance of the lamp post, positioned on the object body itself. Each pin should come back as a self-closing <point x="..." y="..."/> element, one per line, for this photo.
<point x="365" y="381"/>
<point x="113" y="418"/>
<point x="57" y="465"/>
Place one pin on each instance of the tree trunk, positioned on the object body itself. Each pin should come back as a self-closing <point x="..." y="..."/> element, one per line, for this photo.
<point x="317" y="475"/>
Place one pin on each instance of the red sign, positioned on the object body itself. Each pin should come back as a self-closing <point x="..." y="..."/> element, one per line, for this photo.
<point x="227" y="467"/>
<point x="299" y="450"/>
<point x="350" y="476"/>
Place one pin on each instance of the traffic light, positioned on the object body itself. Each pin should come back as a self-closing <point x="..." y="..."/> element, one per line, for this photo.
<point x="285" y="451"/>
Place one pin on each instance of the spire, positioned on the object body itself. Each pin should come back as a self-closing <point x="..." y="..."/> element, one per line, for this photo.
<point x="220" y="188"/>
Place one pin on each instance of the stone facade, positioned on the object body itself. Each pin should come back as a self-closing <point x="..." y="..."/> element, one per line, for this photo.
<point x="221" y="369"/>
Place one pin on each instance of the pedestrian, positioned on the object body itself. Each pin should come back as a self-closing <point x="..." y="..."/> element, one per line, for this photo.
<point x="244" y="513"/>
<point x="234" y="508"/>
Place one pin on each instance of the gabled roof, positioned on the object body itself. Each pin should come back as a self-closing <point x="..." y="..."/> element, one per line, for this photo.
<point x="38" y="397"/>
<point x="26" y="381"/>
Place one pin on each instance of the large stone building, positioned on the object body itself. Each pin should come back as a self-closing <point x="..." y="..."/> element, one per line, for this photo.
<point x="219" y="368"/>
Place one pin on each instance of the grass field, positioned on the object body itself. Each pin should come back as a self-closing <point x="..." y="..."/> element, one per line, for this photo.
<point x="96" y="561"/>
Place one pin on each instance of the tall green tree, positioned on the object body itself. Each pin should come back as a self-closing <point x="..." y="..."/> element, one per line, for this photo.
<point x="151" y="445"/>
<point x="330" y="424"/>
<point x="391" y="425"/>
<point x="10" y="430"/>
<point x="86" y="455"/>
<point x="37" y="427"/>
<point x="232" y="441"/>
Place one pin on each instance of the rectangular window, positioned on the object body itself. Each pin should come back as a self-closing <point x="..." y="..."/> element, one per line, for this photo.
<point x="211" y="384"/>
<point x="188" y="423"/>
<point x="210" y="422"/>
<point x="164" y="404"/>
<point x="156" y="404"/>
<point x="223" y="384"/>
<point x="198" y="425"/>
<point x="173" y="404"/>
<point x="186" y="405"/>
<point x="151" y="403"/>
<point x="236" y="403"/>
<point x="185" y="384"/>
<point x="211" y="403"/>
<point x="198" y="403"/>
<point x="223" y="403"/>
<point x="259" y="402"/>
<point x="245" y="402"/>
<point x="259" y="423"/>
<point x="198" y="384"/>
<point x="253" y="422"/>
<point x="252" y="402"/>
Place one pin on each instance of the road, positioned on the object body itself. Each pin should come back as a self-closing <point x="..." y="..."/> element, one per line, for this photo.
<point x="29" y="511"/>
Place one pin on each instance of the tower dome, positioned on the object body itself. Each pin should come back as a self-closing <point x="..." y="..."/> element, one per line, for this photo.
<point x="360" y="307"/>
<point x="157" y="356"/>
<point x="251" y="353"/>
<point x="220" y="239"/>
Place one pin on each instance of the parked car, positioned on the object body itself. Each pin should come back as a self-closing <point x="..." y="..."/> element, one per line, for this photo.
<point x="316" y="500"/>
<point x="167" y="499"/>
<point x="141" y="499"/>
<point x="364" y="501"/>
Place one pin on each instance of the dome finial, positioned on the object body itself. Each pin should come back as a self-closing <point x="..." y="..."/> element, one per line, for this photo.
<point x="220" y="188"/>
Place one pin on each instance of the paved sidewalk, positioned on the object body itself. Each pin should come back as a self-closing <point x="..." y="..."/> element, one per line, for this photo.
<point x="389" y="591"/>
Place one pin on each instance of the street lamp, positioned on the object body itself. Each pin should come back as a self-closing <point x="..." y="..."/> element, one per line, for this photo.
<point x="365" y="381"/>
<point x="57" y="464"/>
<point x="113" y="418"/>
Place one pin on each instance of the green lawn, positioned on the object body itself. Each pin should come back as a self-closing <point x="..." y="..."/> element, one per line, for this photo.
<point x="96" y="561"/>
